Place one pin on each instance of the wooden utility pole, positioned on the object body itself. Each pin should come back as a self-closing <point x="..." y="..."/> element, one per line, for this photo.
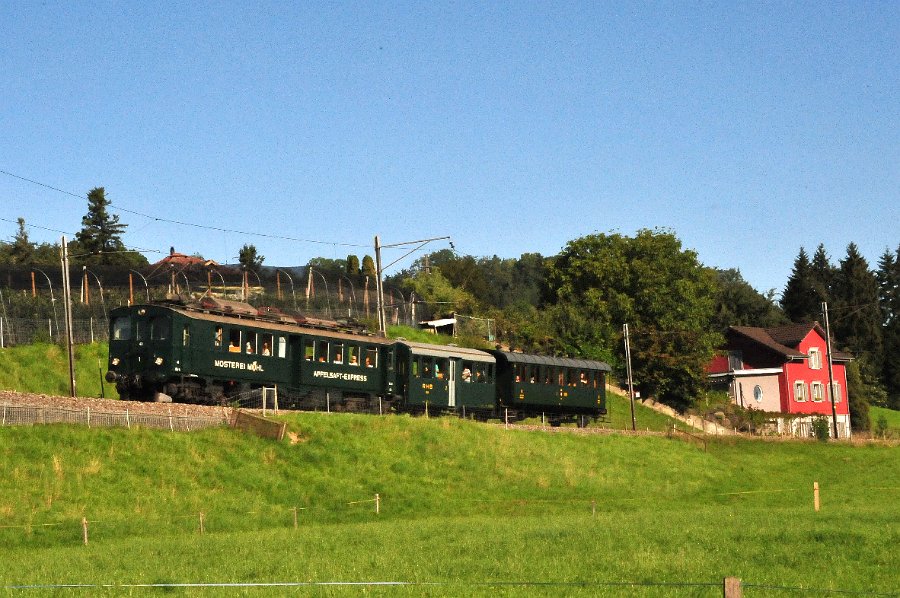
<point x="67" y="303"/>
<point x="630" y="381"/>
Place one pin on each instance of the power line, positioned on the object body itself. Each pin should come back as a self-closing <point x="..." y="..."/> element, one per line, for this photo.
<point x="190" y="224"/>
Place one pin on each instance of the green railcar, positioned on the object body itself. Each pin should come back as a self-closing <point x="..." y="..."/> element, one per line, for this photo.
<point x="445" y="378"/>
<point x="534" y="384"/>
<point x="189" y="354"/>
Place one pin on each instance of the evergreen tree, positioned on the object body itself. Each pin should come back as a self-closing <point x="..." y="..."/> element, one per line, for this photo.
<point x="822" y="274"/>
<point x="799" y="299"/>
<point x="888" y="277"/>
<point x="248" y="257"/>
<point x="857" y="317"/>
<point x="352" y="265"/>
<point x="101" y="233"/>
<point x="368" y="267"/>
<point x="21" y="251"/>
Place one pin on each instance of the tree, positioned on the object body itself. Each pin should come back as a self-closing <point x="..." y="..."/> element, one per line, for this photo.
<point x="100" y="236"/>
<point x="857" y="316"/>
<point x="435" y="290"/>
<point x="601" y="282"/>
<point x="822" y="275"/>
<point x="249" y="258"/>
<point x="799" y="299"/>
<point x="888" y="277"/>
<point x="739" y="304"/>
<point x="368" y="267"/>
<point x="21" y="251"/>
<point x="352" y="265"/>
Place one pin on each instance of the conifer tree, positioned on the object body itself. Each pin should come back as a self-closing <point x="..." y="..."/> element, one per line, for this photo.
<point x="799" y="299"/>
<point x="822" y="274"/>
<point x="101" y="233"/>
<point x="888" y="277"/>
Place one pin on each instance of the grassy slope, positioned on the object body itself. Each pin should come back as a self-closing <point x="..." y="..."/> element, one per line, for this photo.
<point x="892" y="417"/>
<point x="44" y="368"/>
<point x="463" y="504"/>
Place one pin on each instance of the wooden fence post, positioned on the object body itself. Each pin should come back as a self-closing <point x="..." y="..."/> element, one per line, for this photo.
<point x="816" y="496"/>
<point x="377" y="504"/>
<point x="593" y="508"/>
<point x="84" y="530"/>
<point x="731" y="587"/>
<point x="202" y="529"/>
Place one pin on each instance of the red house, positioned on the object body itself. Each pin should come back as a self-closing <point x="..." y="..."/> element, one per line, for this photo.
<point x="784" y="370"/>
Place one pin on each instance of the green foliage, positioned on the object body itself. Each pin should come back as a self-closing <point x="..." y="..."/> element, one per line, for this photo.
<point x="100" y="239"/>
<point x="667" y="297"/>
<point x="352" y="266"/>
<point x="859" y="395"/>
<point x="800" y="300"/>
<point x="857" y="318"/>
<point x="888" y="277"/>
<point x="739" y="304"/>
<point x="332" y="267"/>
<point x="436" y="291"/>
<point x="249" y="258"/>
<point x="886" y="422"/>
<point x="821" y="429"/>
<point x="368" y="267"/>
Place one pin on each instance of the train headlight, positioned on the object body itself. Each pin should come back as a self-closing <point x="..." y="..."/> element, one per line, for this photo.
<point x="158" y="361"/>
<point x="115" y="361"/>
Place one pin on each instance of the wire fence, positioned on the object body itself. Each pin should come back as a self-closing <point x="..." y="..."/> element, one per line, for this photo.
<point x="21" y="415"/>
<point x="26" y="331"/>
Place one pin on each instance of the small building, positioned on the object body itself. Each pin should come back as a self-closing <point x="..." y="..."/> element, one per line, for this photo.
<point x="784" y="371"/>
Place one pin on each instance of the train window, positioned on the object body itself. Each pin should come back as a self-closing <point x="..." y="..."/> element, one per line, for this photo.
<point x="573" y="377"/>
<point x="122" y="329"/>
<point x="595" y="379"/>
<point x="234" y="341"/>
<point x="560" y="376"/>
<point x="337" y="355"/>
<point x="159" y="328"/>
<point x="322" y="351"/>
<point x="217" y="338"/>
<point x="428" y="367"/>
<point x="441" y="367"/>
<point x="480" y="372"/>
<point x="415" y="368"/>
<point x="389" y="354"/>
<point x="265" y="349"/>
<point x="186" y="336"/>
<point x="466" y="373"/>
<point x="250" y="346"/>
<point x="282" y="347"/>
<point x="371" y="360"/>
<point x="490" y="373"/>
<point x="352" y="355"/>
<point x="309" y="349"/>
<point x="583" y="378"/>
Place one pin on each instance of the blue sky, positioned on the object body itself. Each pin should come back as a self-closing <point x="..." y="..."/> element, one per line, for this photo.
<point x="748" y="129"/>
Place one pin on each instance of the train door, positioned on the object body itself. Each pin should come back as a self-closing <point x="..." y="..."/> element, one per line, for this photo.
<point x="451" y="384"/>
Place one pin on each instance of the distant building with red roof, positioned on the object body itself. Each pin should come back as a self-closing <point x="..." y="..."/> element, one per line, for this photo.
<point x="784" y="370"/>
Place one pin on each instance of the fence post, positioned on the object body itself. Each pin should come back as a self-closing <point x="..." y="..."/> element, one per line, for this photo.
<point x="275" y="400"/>
<point x="84" y="530"/>
<point x="731" y="587"/>
<point x="4" y="413"/>
<point x="506" y="417"/>
<point x="295" y="517"/>
<point x="328" y="402"/>
<point x="816" y="496"/>
<point x="127" y="420"/>
<point x="89" y="416"/>
<point x="593" y="508"/>
<point x="377" y="504"/>
<point x="171" y="423"/>
<point x="426" y="409"/>
<point x="264" y="392"/>
<point x="202" y="529"/>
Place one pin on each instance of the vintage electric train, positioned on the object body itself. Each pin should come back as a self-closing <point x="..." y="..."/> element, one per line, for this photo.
<point x="212" y="351"/>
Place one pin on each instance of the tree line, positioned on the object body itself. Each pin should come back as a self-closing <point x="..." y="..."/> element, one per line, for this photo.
<point x="577" y="302"/>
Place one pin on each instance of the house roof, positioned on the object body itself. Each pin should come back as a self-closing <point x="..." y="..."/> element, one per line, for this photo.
<point x="784" y="340"/>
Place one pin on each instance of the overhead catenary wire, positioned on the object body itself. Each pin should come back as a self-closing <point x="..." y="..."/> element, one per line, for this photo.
<point x="119" y="208"/>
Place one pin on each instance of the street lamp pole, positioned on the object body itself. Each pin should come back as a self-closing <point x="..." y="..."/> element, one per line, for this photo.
<point x="52" y="300"/>
<point x="291" y="280"/>
<point x="352" y="293"/>
<point x="146" y="286"/>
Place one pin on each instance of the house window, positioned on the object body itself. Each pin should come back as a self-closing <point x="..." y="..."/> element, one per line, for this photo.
<point x="836" y="392"/>
<point x="758" y="393"/>
<point x="815" y="359"/>
<point x="735" y="360"/>
<point x="800" y="391"/>
<point x="818" y="392"/>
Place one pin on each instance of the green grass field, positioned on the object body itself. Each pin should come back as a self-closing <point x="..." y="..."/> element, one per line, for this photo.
<point x="44" y="368"/>
<point x="466" y="509"/>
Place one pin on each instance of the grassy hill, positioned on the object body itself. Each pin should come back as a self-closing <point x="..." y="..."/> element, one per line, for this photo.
<point x="471" y="508"/>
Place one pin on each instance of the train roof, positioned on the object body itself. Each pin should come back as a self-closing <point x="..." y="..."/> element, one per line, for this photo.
<point x="584" y="364"/>
<point x="447" y="351"/>
<point x="247" y="319"/>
